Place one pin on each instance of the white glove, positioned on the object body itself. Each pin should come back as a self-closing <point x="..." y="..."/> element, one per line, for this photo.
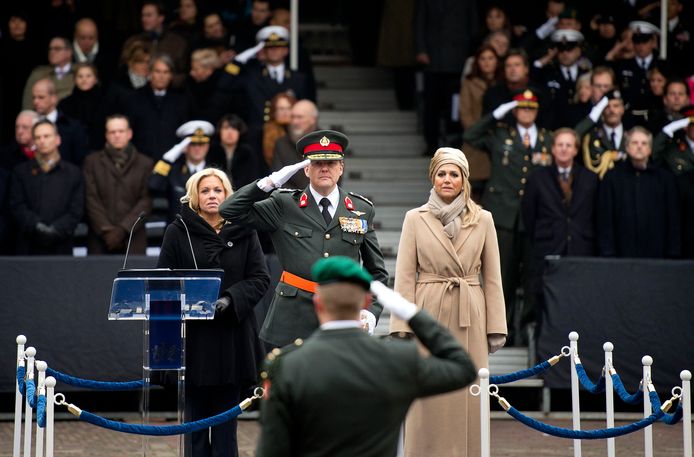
<point x="281" y="176"/>
<point x="175" y="152"/>
<point x="597" y="110"/>
<point x="495" y="341"/>
<point x="547" y="28"/>
<point x="674" y="126"/>
<point x="503" y="109"/>
<point x="368" y="321"/>
<point x="393" y="301"/>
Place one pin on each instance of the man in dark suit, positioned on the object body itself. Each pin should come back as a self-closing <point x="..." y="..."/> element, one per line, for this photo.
<point x="333" y="408"/>
<point x="88" y="48"/>
<point x="558" y="210"/>
<point x="321" y="220"/>
<point x="304" y="120"/>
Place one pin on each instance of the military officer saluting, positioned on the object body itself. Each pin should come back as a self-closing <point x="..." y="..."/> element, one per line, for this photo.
<point x="319" y="221"/>
<point x="674" y="146"/>
<point x="602" y="134"/>
<point x="515" y="150"/>
<point x="180" y="162"/>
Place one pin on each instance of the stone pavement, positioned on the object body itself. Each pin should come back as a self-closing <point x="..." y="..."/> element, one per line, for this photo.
<point x="509" y="439"/>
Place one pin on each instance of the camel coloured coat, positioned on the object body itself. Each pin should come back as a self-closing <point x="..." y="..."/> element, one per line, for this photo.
<point x="458" y="282"/>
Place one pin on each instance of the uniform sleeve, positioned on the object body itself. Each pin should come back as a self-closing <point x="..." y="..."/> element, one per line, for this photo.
<point x="661" y="142"/>
<point x="478" y="134"/>
<point x="583" y="127"/>
<point x="491" y="275"/>
<point x="372" y="258"/>
<point x="405" y="270"/>
<point x="251" y="206"/>
<point x="245" y="294"/>
<point x="275" y="419"/>
<point x="449" y="367"/>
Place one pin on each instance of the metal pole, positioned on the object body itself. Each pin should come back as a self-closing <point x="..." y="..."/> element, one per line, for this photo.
<point x="30" y="353"/>
<point x="16" y="449"/>
<point x="686" y="377"/>
<point x="41" y="389"/>
<point x="484" y="412"/>
<point x="50" y="399"/>
<point x="663" y="29"/>
<point x="575" y="399"/>
<point x="294" y="35"/>
<point x="609" y="395"/>
<point x="647" y="361"/>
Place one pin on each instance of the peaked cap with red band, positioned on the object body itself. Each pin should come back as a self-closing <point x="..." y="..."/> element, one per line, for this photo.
<point x="323" y="145"/>
<point x="526" y="99"/>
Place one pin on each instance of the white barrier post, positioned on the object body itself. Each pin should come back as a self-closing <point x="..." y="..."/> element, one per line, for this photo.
<point x="575" y="399"/>
<point x="30" y="353"/>
<point x="41" y="390"/>
<point x="21" y="341"/>
<point x="647" y="361"/>
<point x="686" y="399"/>
<point x="50" y="401"/>
<point x="609" y="395"/>
<point x="484" y="412"/>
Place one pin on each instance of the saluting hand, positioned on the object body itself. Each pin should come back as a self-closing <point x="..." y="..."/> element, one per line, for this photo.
<point x="281" y="176"/>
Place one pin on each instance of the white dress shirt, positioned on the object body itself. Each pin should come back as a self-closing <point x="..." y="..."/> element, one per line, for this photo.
<point x="333" y="198"/>
<point x="532" y="132"/>
<point x="276" y="72"/>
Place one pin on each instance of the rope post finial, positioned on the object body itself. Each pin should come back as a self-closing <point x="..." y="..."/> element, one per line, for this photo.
<point x="21" y="339"/>
<point x="647" y="360"/>
<point x="573" y="336"/>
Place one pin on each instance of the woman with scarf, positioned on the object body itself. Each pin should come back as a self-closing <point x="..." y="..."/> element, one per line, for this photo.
<point x="448" y="264"/>
<point x="223" y="355"/>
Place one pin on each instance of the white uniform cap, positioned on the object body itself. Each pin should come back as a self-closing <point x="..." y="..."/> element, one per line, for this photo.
<point x="198" y="130"/>
<point x="644" y="28"/>
<point x="561" y="35"/>
<point x="273" y="35"/>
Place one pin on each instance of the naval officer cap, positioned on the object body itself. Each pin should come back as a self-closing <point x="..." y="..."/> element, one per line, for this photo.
<point x="198" y="131"/>
<point x="643" y="28"/>
<point x="567" y="36"/>
<point x="273" y="36"/>
<point x="337" y="269"/>
<point x="323" y="145"/>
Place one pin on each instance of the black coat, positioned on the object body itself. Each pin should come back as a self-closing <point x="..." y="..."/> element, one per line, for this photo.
<point x="74" y="141"/>
<point x="685" y="185"/>
<point x="245" y="166"/>
<point x="154" y="120"/>
<point x="12" y="155"/>
<point x="554" y="227"/>
<point x="225" y="350"/>
<point x="88" y="107"/>
<point x="216" y="96"/>
<point x="55" y="198"/>
<point x="638" y="213"/>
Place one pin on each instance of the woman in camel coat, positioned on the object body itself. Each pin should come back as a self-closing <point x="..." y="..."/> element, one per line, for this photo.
<point x="448" y="264"/>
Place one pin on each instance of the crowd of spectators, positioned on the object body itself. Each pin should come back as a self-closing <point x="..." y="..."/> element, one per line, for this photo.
<point x="95" y="100"/>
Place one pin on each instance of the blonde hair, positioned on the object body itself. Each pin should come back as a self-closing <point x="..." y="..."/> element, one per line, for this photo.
<point x="456" y="157"/>
<point x="191" y="196"/>
<point x="208" y="58"/>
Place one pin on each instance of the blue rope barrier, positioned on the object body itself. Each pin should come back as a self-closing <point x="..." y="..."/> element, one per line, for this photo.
<point x="96" y="385"/>
<point x="161" y="430"/>
<point x="41" y="411"/>
<point x="632" y="399"/>
<point x="669" y="419"/>
<point x="21" y="372"/>
<point x="586" y="434"/>
<point x="590" y="386"/>
<point x="521" y="374"/>
<point x="31" y="392"/>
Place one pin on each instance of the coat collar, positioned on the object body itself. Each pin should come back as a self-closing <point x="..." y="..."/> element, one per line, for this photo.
<point x="434" y="224"/>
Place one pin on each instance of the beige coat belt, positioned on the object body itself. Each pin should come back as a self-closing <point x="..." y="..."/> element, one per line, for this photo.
<point x="449" y="282"/>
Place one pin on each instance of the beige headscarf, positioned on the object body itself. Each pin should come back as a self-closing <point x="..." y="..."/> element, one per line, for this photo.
<point x="450" y="213"/>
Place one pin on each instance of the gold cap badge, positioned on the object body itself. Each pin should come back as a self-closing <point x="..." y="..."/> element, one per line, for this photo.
<point x="324" y="141"/>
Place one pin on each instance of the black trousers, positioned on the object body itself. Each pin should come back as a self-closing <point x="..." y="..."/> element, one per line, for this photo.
<point x="206" y="401"/>
<point x="439" y="89"/>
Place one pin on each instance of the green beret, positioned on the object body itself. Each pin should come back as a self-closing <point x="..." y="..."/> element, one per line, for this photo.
<point x="340" y="269"/>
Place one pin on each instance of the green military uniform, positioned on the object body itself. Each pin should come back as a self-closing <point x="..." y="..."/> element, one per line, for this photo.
<point x="598" y="151"/>
<point x="512" y="163"/>
<point x="343" y="393"/>
<point x="674" y="152"/>
<point x="301" y="236"/>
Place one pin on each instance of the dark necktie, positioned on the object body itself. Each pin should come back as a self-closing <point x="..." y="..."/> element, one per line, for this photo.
<point x="613" y="138"/>
<point x="324" y="202"/>
<point x="564" y="175"/>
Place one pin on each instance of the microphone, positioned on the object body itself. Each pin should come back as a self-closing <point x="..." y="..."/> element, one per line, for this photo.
<point x="130" y="238"/>
<point x="190" y="243"/>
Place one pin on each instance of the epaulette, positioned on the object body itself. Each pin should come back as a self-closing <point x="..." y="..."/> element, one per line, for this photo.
<point x="162" y="168"/>
<point x="232" y="69"/>
<point x="361" y="197"/>
<point x="274" y="357"/>
<point x="287" y="190"/>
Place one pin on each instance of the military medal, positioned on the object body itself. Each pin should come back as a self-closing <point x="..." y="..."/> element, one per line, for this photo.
<point x="303" y="201"/>
<point x="353" y="225"/>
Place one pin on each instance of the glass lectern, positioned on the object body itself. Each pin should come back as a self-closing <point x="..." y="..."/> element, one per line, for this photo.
<point x="164" y="299"/>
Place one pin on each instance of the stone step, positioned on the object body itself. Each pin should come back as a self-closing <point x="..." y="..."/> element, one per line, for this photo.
<point x="406" y="193"/>
<point x="372" y="122"/>
<point x="390" y="217"/>
<point x="339" y="77"/>
<point x="357" y="100"/>
<point x="388" y="240"/>
<point x="371" y="168"/>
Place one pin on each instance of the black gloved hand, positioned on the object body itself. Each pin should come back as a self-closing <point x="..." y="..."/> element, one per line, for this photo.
<point x="222" y="304"/>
